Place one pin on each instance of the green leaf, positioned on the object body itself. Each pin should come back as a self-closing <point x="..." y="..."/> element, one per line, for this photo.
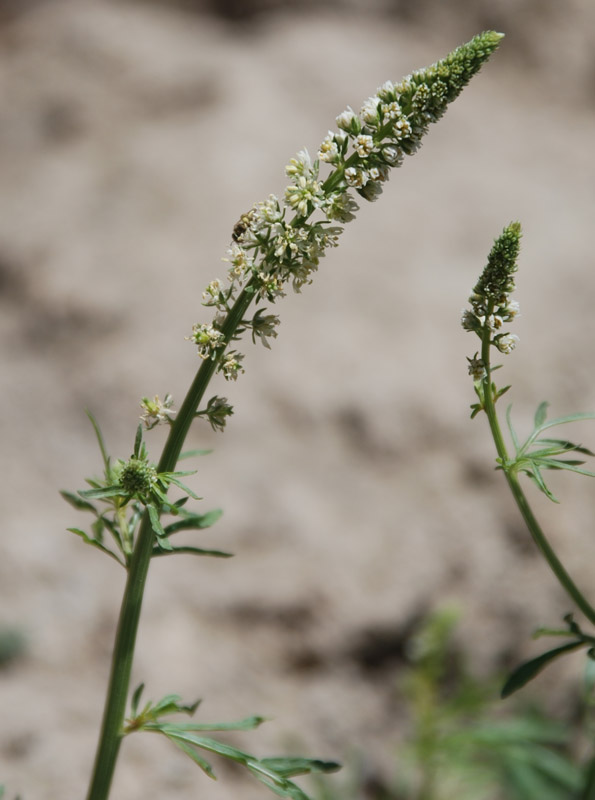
<point x="193" y="453"/>
<point x="136" y="698"/>
<point x="138" y="441"/>
<point x="537" y="478"/>
<point x="99" y="435"/>
<point x="156" y="522"/>
<point x="100" y="494"/>
<point x="172" y="479"/>
<point x="78" y="502"/>
<point x="170" y="704"/>
<point x="190" y="751"/>
<point x="94" y="543"/>
<point x="530" y="669"/>
<point x="247" y="724"/>
<point x="197" y="551"/>
<point x="194" y="521"/>
<point x="290" y="767"/>
<point x="513" y="435"/>
<point x="541" y="414"/>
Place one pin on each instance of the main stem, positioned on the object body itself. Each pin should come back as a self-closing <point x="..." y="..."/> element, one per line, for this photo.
<point x="110" y="735"/>
<point x="534" y="527"/>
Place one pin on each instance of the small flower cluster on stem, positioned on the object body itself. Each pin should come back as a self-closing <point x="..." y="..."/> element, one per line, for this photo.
<point x="490" y="304"/>
<point x="280" y="242"/>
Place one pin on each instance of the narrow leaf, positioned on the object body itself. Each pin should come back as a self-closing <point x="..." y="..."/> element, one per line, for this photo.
<point x="193" y="453"/>
<point x="197" y="551"/>
<point x="530" y="669"/>
<point x="99" y="435"/>
<point x="78" y="502"/>
<point x="290" y="767"/>
<point x="190" y="751"/>
<point x="247" y="724"/>
<point x="100" y="494"/>
<point x="94" y="543"/>
<point x="541" y="414"/>
<point x="156" y="524"/>
<point x="183" y="486"/>
<point x="194" y="521"/>
<point x="138" y="441"/>
<point x="513" y="435"/>
<point x="136" y="698"/>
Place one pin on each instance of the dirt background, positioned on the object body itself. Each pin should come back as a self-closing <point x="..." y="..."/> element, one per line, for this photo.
<point x="357" y="493"/>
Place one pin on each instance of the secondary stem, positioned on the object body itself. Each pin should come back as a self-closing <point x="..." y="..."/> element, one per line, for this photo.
<point x="110" y="735"/>
<point x="521" y="500"/>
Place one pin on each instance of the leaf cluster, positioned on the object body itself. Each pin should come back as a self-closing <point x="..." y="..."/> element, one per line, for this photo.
<point x="538" y="453"/>
<point x="275" y="773"/>
<point x="122" y="508"/>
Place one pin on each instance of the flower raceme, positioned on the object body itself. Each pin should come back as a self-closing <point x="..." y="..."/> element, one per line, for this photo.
<point x="282" y="241"/>
<point x="491" y="306"/>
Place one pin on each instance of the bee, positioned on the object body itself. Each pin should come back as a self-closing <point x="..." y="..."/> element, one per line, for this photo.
<point x="241" y="226"/>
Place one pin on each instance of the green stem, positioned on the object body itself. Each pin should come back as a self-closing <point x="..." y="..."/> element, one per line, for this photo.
<point x="521" y="500"/>
<point x="110" y="735"/>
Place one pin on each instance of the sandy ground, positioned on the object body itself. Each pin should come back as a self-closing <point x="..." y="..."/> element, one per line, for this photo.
<point x="356" y="491"/>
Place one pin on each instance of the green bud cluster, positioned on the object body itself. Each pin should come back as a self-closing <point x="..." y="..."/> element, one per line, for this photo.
<point x="138" y="478"/>
<point x="491" y="306"/>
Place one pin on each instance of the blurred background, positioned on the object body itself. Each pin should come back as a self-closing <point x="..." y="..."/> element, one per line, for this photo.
<point x="358" y="495"/>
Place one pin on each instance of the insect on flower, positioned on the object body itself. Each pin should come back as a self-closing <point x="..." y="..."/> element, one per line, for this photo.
<point x="241" y="226"/>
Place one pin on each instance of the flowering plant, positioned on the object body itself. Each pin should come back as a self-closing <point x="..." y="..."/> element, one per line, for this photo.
<point x="490" y="308"/>
<point x="276" y="243"/>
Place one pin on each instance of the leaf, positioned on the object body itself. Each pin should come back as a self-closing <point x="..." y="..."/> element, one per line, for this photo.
<point x="193" y="453"/>
<point x="100" y="494"/>
<point x="170" y="704"/>
<point x="247" y="724"/>
<point x="136" y="698"/>
<point x="537" y="478"/>
<point x="513" y="435"/>
<point x="190" y="751"/>
<point x="194" y="521"/>
<point x="197" y="551"/>
<point x="138" y="441"/>
<point x="530" y="669"/>
<point x="172" y="479"/>
<point x="156" y="525"/>
<point x="94" y="543"/>
<point x="541" y="414"/>
<point x="78" y="502"/>
<point x="99" y="435"/>
<point x="289" y="767"/>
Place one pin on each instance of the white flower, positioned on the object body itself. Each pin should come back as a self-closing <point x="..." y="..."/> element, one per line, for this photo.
<point x="240" y="261"/>
<point x="300" y="165"/>
<point x="507" y="343"/>
<point x="304" y="194"/>
<point x="156" y="410"/>
<point x="356" y="177"/>
<point x="369" y="112"/>
<point x="386" y="91"/>
<point x="212" y="292"/>
<point x="393" y="156"/>
<point x="231" y="366"/>
<point x="208" y="340"/>
<point x="341" y="207"/>
<point x="512" y="310"/>
<point x="329" y="150"/>
<point x="349" y="121"/>
<point x="363" y="145"/>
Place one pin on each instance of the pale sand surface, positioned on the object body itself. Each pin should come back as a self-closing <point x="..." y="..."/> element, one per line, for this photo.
<point x="356" y="491"/>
